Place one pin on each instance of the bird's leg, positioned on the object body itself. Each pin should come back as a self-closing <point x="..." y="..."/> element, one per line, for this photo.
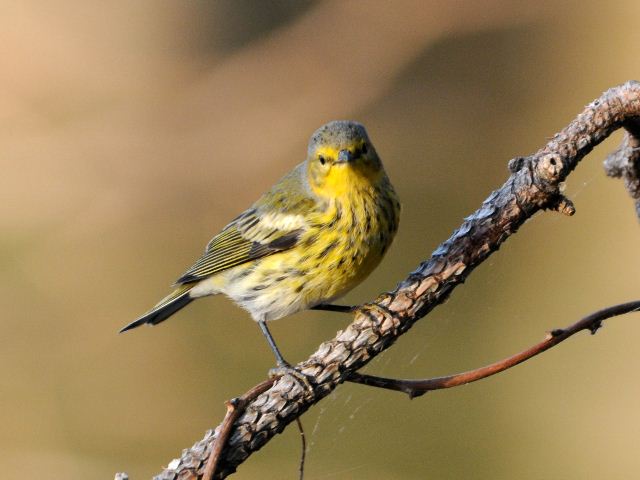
<point x="335" y="308"/>
<point x="281" y="362"/>
<point x="283" y="367"/>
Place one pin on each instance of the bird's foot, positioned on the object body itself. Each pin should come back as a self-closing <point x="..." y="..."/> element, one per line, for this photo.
<point x="285" y="368"/>
<point x="335" y="308"/>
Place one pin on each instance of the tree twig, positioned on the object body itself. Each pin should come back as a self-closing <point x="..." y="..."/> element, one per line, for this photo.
<point x="417" y="388"/>
<point x="534" y="185"/>
<point x="235" y="407"/>
<point x="303" y="455"/>
<point x="625" y="161"/>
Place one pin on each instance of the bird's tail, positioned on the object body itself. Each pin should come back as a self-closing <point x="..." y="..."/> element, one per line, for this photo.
<point x="166" y="307"/>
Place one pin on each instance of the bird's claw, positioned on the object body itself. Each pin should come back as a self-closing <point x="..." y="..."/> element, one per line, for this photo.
<point x="286" y="369"/>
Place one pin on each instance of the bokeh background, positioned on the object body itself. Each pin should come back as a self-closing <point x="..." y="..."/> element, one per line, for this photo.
<point x="131" y="132"/>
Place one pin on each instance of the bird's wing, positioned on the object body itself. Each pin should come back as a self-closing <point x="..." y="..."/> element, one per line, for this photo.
<point x="273" y="224"/>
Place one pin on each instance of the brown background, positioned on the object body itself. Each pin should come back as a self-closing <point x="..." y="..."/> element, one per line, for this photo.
<point x="130" y="132"/>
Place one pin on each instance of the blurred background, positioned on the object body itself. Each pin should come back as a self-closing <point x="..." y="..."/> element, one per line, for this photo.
<point x="131" y="132"/>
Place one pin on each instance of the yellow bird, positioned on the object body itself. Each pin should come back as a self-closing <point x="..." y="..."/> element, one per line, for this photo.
<point x="313" y="237"/>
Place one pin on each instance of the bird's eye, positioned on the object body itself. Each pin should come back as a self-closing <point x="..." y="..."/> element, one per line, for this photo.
<point x="363" y="149"/>
<point x="322" y="160"/>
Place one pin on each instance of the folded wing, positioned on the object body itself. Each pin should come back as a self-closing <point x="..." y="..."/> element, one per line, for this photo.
<point x="273" y="224"/>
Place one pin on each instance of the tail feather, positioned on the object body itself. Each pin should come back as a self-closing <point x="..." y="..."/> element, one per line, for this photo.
<point x="166" y="307"/>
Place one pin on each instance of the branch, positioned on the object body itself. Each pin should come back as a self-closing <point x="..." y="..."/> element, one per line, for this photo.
<point x="534" y="185"/>
<point x="235" y="407"/>
<point x="625" y="161"/>
<point x="417" y="388"/>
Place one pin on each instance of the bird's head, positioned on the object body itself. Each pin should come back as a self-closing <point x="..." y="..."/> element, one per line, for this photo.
<point x="341" y="158"/>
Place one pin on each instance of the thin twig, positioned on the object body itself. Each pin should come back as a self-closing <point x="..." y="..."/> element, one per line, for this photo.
<point x="303" y="455"/>
<point x="235" y="407"/>
<point x="416" y="388"/>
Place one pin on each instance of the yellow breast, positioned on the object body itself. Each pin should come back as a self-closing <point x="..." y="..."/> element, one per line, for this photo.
<point x="344" y="242"/>
<point x="349" y="240"/>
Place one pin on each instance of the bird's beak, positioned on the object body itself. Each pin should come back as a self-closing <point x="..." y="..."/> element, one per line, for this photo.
<point x="344" y="156"/>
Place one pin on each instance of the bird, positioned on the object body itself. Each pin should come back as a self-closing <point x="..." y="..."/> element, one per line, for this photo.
<point x="316" y="234"/>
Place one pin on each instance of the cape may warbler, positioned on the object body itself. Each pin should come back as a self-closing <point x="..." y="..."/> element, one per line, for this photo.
<point x="314" y="236"/>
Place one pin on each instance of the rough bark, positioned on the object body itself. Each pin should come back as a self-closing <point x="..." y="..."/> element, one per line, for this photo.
<point x="535" y="184"/>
